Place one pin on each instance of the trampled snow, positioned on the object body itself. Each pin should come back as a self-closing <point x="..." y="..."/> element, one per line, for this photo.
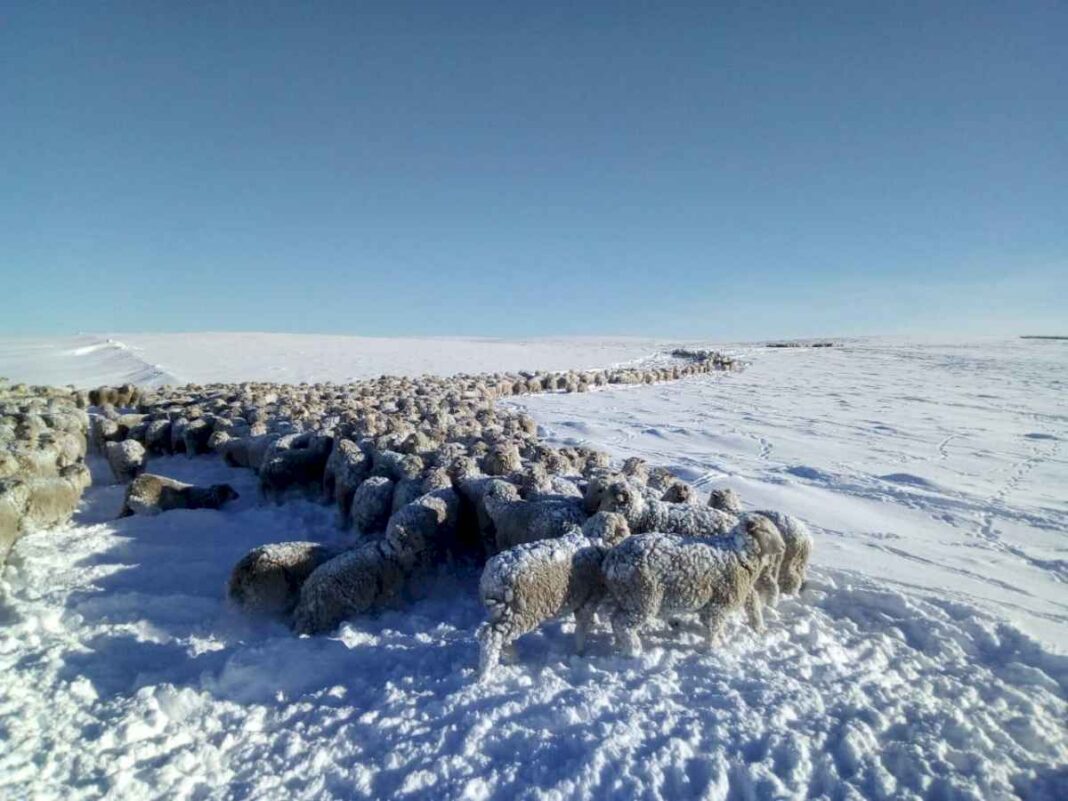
<point x="926" y="658"/>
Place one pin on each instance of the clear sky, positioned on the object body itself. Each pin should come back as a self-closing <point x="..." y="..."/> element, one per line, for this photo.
<point x="705" y="169"/>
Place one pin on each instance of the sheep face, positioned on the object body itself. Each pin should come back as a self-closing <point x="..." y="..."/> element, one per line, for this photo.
<point x="726" y="500"/>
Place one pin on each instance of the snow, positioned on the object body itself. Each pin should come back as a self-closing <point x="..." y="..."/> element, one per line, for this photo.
<point x="933" y="467"/>
<point x="926" y="658"/>
<point x="154" y="359"/>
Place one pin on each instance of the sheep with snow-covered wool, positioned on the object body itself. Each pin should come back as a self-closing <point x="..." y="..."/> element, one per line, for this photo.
<point x="300" y="464"/>
<point x="516" y="521"/>
<point x="654" y="574"/>
<point x="158" y="436"/>
<point x="150" y="494"/>
<point x="532" y="583"/>
<point x="680" y="492"/>
<point x="268" y="579"/>
<point x="596" y="487"/>
<point x="408" y="489"/>
<point x="126" y="459"/>
<point x="795" y="534"/>
<point x="645" y="515"/>
<point x="502" y="459"/>
<point x="375" y="571"/>
<point x="636" y="470"/>
<point x="346" y="468"/>
<point x="537" y="484"/>
<point x="372" y="504"/>
<point x="35" y="502"/>
<point x="473" y="490"/>
<point x="102" y="430"/>
<point x="726" y="500"/>
<point x="247" y="451"/>
<point x="395" y="465"/>
<point x="195" y="436"/>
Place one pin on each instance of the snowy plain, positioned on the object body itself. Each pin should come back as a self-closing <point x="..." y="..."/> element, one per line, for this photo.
<point x="926" y="658"/>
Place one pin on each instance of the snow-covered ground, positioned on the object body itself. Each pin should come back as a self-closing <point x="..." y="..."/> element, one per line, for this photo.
<point x="936" y="467"/>
<point x="154" y="359"/>
<point x="926" y="659"/>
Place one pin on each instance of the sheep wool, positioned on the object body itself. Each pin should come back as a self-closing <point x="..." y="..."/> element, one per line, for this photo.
<point x="654" y="574"/>
<point x="644" y="515"/>
<point x="267" y="580"/>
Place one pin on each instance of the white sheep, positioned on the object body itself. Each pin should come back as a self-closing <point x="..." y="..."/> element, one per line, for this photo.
<point x="726" y="500"/>
<point x="126" y="459"/>
<point x="372" y="504"/>
<point x="795" y="534"/>
<point x="653" y="574"/>
<point x="644" y="514"/>
<point x="516" y="521"/>
<point x="376" y="570"/>
<point x="529" y="584"/>
<point x="347" y="468"/>
<point x="502" y="459"/>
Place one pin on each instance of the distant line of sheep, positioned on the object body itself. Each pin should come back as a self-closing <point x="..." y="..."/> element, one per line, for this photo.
<point x="423" y="471"/>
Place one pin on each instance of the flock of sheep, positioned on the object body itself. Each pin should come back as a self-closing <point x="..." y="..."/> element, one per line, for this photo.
<point x="429" y="470"/>
<point x="42" y="459"/>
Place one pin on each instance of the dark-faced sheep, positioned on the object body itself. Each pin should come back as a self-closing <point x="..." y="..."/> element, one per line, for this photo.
<point x="150" y="494"/>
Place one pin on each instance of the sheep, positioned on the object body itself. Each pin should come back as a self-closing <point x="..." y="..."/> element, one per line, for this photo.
<point x="795" y="534"/>
<point x="49" y="500"/>
<point x="534" y="582"/>
<point x="267" y="580"/>
<point x="726" y="500"/>
<point x="653" y="574"/>
<point x="372" y="503"/>
<point x="347" y="468"/>
<point x="395" y="465"/>
<point x="502" y="459"/>
<point x="516" y="521"/>
<point x="636" y="469"/>
<point x="195" y="437"/>
<point x="798" y="542"/>
<point x="14" y="496"/>
<point x="149" y="494"/>
<point x="375" y="571"/>
<point x="596" y="487"/>
<point x="473" y="490"/>
<point x="536" y="483"/>
<point x="247" y="451"/>
<point x="644" y="515"/>
<point x="102" y="431"/>
<point x="300" y="462"/>
<point x="679" y="492"/>
<point x="126" y="459"/>
<point x="158" y="436"/>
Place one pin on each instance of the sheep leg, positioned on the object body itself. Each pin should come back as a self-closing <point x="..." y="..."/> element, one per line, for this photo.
<point x="754" y="611"/>
<point x="714" y="618"/>
<point x="583" y="621"/>
<point x="508" y="652"/>
<point x="768" y="586"/>
<point x="625" y="627"/>
<point x="490" y="642"/>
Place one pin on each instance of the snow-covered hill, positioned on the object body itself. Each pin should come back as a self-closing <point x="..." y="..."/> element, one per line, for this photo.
<point x="153" y="359"/>
<point x="926" y="659"/>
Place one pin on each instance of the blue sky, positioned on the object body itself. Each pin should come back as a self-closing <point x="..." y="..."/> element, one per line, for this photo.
<point x="723" y="170"/>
